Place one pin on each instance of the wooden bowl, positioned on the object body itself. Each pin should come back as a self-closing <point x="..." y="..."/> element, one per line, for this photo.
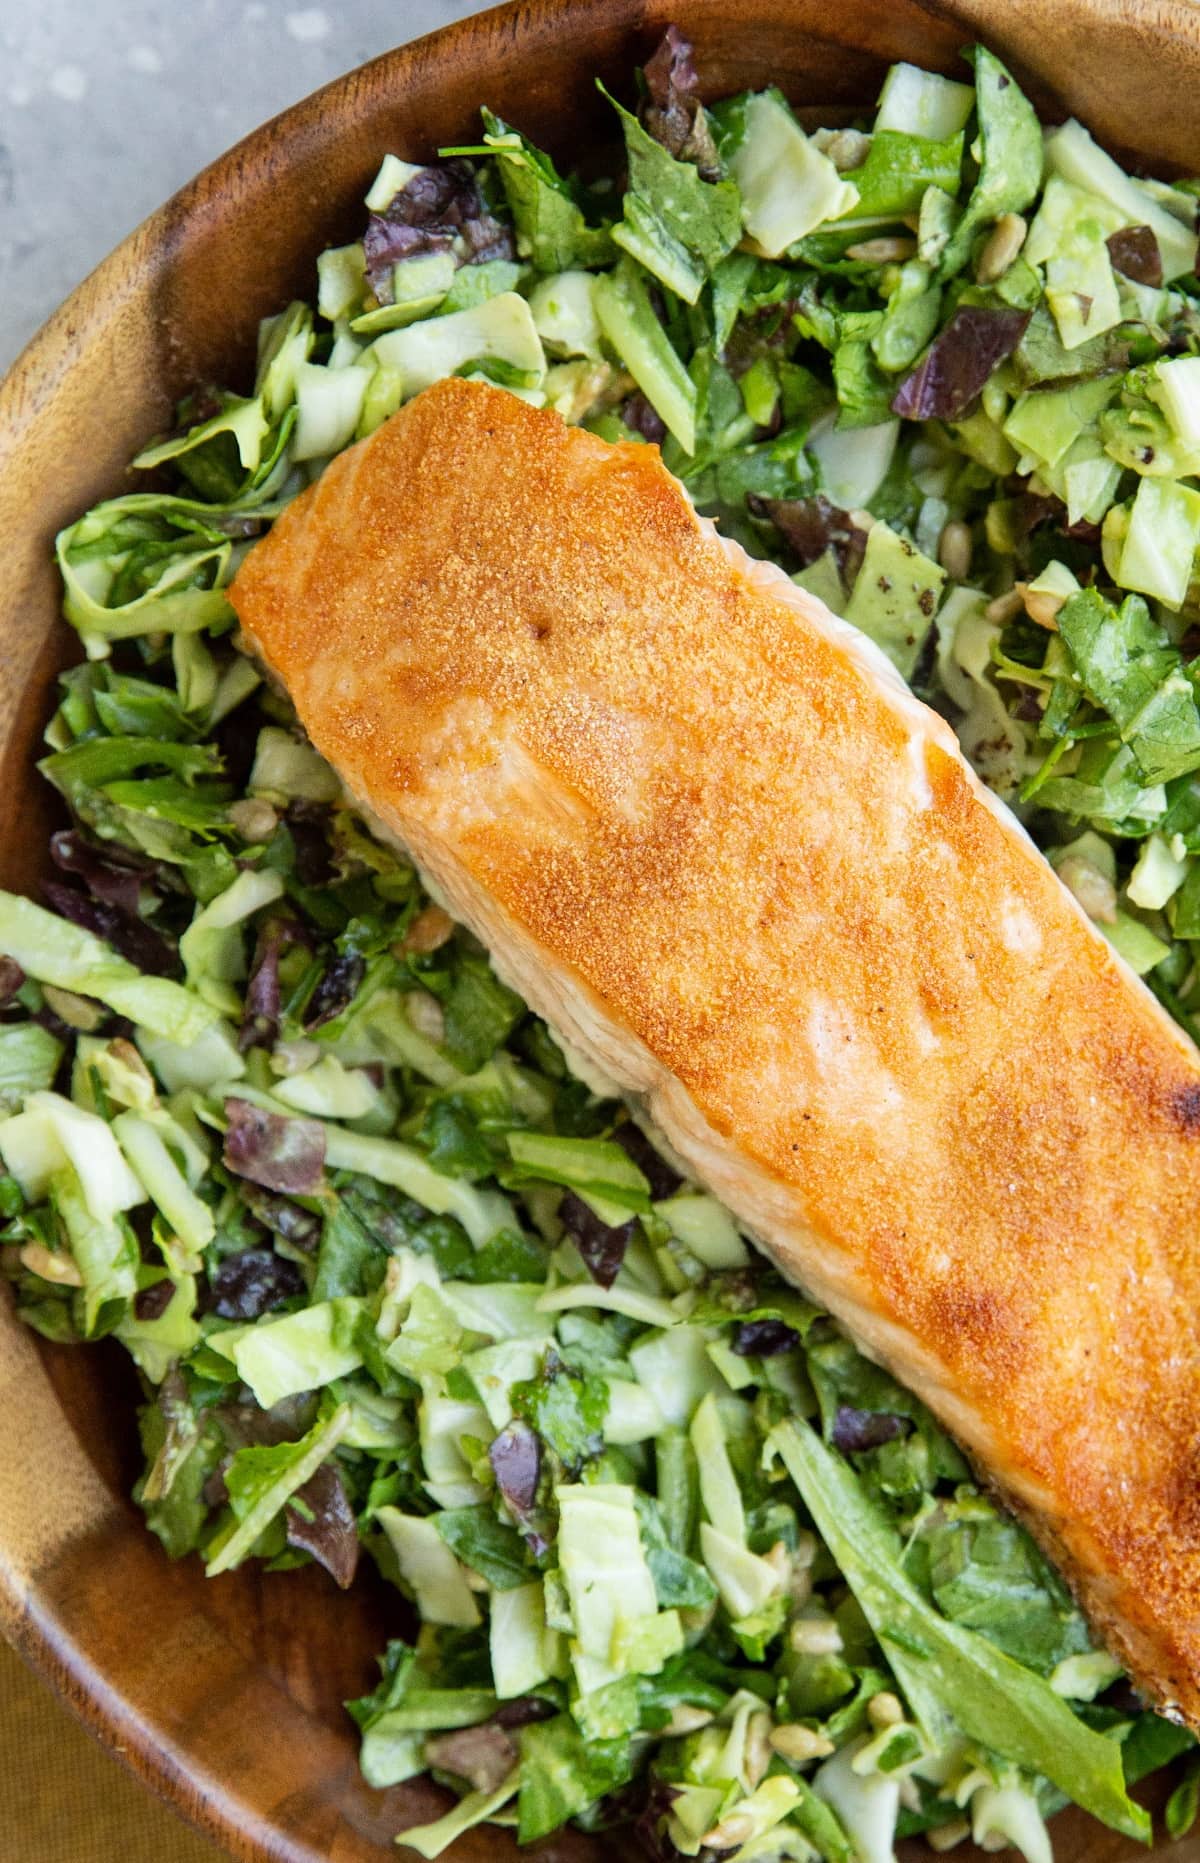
<point x="225" y="1696"/>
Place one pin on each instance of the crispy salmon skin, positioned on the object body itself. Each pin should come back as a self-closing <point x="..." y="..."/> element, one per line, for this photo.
<point x="710" y="836"/>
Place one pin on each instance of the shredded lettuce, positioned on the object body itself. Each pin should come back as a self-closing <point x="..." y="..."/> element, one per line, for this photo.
<point x="944" y="1668"/>
<point x="58" y="953"/>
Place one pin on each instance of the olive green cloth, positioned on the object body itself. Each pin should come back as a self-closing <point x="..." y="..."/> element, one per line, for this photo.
<point x="64" y="1800"/>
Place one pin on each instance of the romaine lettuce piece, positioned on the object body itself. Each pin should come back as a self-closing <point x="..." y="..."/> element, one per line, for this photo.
<point x="494" y="1551"/>
<point x="551" y="227"/>
<point x="1072" y="153"/>
<point x="895" y="596"/>
<point x="1069" y="237"/>
<point x="991" y="1698"/>
<point x="853" y="462"/>
<point x="718" y="1484"/>
<point x="1010" y="158"/>
<point x="630" y="326"/>
<point x="1047" y="423"/>
<point x="1142" y="949"/>
<point x="564" y="311"/>
<point x="1157" y="874"/>
<point x="1160" y="543"/>
<point x="1175" y="385"/>
<point x="429" y="1341"/>
<point x="190" y="1219"/>
<point x="633" y="1415"/>
<point x="329" y="1090"/>
<point x="57" y="952"/>
<point x="910" y="319"/>
<point x="745" y="1582"/>
<point x="341" y="280"/>
<point x="444" y="1424"/>
<point x="50" y="1134"/>
<point x="211" y="1060"/>
<point x="788" y="187"/>
<point x="608" y="1581"/>
<point x="288" y="770"/>
<point x="494" y="1369"/>
<point x="262" y="1480"/>
<point x="155" y="1345"/>
<point x="597" y="1168"/>
<point x="302" y="1351"/>
<point x="523" y="1650"/>
<point x="650" y="1309"/>
<point x="419" y="286"/>
<point x="29" y="1060"/>
<point x="500" y="330"/>
<point x="393" y="177"/>
<point x="923" y="103"/>
<point x="212" y="947"/>
<point x="899" y="168"/>
<point x="101" y="1242"/>
<point x="562" y="1773"/>
<point x="1128" y="666"/>
<point x="429" y="1569"/>
<point x="499" y="1309"/>
<point x="328" y="402"/>
<point x="430" y="1840"/>
<point x="483" y="1213"/>
<point x="676" y="224"/>
<point x="675" y="1366"/>
<point x="705" y="1228"/>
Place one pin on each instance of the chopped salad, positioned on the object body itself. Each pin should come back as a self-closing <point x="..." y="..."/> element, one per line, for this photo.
<point x="673" y="1559"/>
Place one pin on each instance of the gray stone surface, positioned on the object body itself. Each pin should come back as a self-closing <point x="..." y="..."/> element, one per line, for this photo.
<point x="108" y="106"/>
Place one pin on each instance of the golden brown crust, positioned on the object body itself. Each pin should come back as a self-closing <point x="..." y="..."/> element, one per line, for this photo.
<point x="705" y="831"/>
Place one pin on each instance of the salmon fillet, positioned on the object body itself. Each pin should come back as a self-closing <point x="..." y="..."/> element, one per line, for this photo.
<point x="710" y="836"/>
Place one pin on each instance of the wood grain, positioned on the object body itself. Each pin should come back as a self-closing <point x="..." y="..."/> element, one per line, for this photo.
<point x="225" y="1696"/>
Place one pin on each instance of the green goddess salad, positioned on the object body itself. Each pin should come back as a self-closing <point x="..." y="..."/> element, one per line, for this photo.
<point x="673" y="1562"/>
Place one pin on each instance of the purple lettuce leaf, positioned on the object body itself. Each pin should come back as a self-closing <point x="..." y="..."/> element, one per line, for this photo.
<point x="271" y="1149"/>
<point x="112" y="875"/>
<point x="855" y="1430"/>
<point x="308" y="824"/>
<point x="296" y="1225"/>
<point x="260" y="1020"/>
<point x="662" y="1178"/>
<point x="152" y="1302"/>
<point x="959" y="361"/>
<point x="763" y="1338"/>
<point x="523" y="1711"/>
<point x="12" y="978"/>
<point x="128" y="934"/>
<point x="252" y="1282"/>
<point x="516" y="1459"/>
<point x="323" y="1524"/>
<point x="650" y="1826"/>
<point x="482" y="1755"/>
<point x="1135" y="254"/>
<point x="438" y="210"/>
<point x="601" y="1246"/>
<point x="336" y="988"/>
<point x="641" y="417"/>
<point x="810" y="526"/>
<point x="673" y="112"/>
